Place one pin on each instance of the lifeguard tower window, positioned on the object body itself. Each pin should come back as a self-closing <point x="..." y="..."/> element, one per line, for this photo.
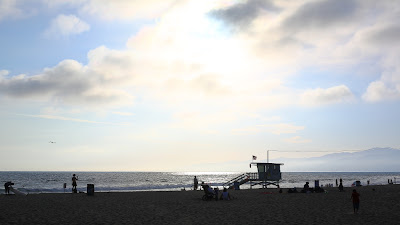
<point x="269" y="171"/>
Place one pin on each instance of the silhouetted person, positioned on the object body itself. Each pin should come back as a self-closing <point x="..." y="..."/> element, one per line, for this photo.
<point x="7" y="187"/>
<point x="202" y="185"/>
<point x="74" y="179"/>
<point x="209" y="189"/>
<point x="225" y="195"/>
<point x="340" y="187"/>
<point x="195" y="183"/>
<point x="306" y="187"/>
<point x="216" y="191"/>
<point x="336" y="183"/>
<point x="356" y="200"/>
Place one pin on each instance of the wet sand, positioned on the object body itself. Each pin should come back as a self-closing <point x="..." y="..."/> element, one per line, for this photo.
<point x="257" y="206"/>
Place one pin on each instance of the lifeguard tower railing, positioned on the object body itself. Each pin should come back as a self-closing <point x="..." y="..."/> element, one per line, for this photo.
<point x="268" y="174"/>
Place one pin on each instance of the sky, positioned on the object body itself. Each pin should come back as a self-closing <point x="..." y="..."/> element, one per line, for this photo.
<point x="186" y="85"/>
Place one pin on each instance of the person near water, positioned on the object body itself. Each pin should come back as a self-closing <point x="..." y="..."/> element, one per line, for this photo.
<point x="7" y="187"/>
<point x="74" y="179"/>
<point x="195" y="183"/>
<point x="356" y="200"/>
<point x="340" y="185"/>
<point x="306" y="187"/>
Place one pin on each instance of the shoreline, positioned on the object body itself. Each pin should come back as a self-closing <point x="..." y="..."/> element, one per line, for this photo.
<point x="249" y="206"/>
<point x="285" y="189"/>
<point x="132" y="182"/>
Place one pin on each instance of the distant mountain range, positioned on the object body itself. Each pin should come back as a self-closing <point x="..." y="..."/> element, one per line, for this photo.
<point x="371" y="160"/>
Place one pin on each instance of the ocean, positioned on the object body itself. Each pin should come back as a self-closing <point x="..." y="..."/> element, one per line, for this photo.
<point x="53" y="182"/>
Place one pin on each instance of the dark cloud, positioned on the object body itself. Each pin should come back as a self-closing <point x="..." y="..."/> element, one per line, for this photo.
<point x="320" y="14"/>
<point x="68" y="82"/>
<point x="63" y="79"/>
<point x="241" y="15"/>
<point x="388" y="35"/>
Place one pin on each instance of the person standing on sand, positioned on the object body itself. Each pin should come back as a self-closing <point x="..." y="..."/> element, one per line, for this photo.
<point x="74" y="179"/>
<point x="306" y="187"/>
<point x="196" y="183"/>
<point x="356" y="200"/>
<point x="340" y="187"/>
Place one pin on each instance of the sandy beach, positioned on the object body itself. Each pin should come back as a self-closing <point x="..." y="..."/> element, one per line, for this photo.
<point x="257" y="206"/>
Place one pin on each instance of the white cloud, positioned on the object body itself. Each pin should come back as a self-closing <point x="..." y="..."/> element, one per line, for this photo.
<point x="379" y="91"/>
<point x="297" y="140"/>
<point x="55" y="117"/>
<point x="123" y="113"/>
<point x="246" y="131"/>
<point x="332" y="95"/>
<point x="117" y="9"/>
<point x="9" y="9"/>
<point x="3" y="73"/>
<point x="387" y="87"/>
<point x="66" y="25"/>
<point x="282" y="128"/>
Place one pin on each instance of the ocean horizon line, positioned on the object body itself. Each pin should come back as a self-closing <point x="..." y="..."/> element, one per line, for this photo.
<point x="201" y="172"/>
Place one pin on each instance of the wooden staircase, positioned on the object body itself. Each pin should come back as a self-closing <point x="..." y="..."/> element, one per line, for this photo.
<point x="241" y="179"/>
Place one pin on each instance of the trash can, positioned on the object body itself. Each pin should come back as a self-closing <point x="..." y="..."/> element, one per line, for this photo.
<point x="90" y="189"/>
<point x="316" y="183"/>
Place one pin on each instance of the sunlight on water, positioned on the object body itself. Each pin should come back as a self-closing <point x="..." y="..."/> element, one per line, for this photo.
<point x="205" y="173"/>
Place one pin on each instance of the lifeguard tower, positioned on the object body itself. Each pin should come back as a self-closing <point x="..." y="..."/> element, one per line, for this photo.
<point x="268" y="174"/>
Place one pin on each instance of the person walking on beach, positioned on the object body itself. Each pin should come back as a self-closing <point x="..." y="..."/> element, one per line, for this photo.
<point x="195" y="183"/>
<point x="74" y="179"/>
<point x="356" y="200"/>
